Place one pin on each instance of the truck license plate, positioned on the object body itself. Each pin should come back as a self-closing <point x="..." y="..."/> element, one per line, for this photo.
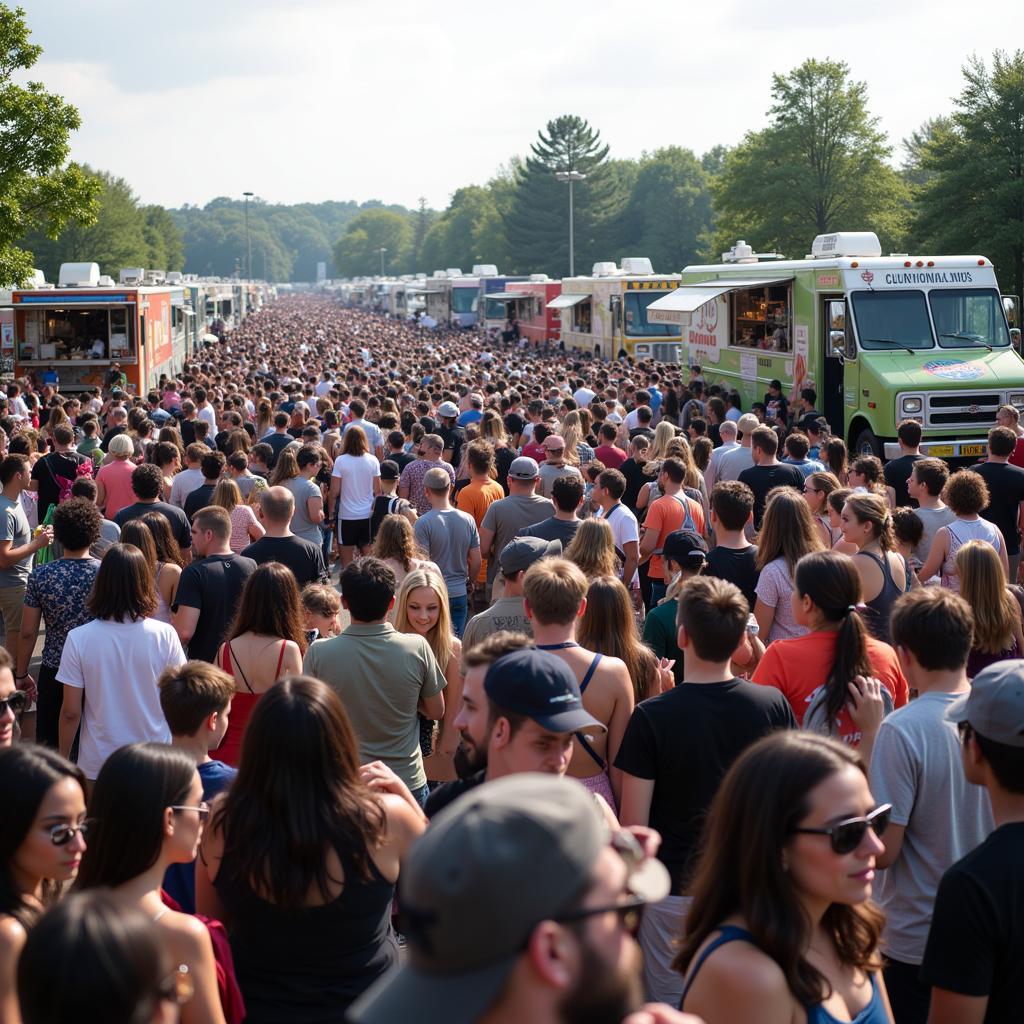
<point x="972" y="449"/>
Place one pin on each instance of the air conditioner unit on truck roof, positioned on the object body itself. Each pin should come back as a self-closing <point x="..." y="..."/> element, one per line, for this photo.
<point x="132" y="275"/>
<point x="604" y="269"/>
<point x="78" y="275"/>
<point x="637" y="265"/>
<point x="485" y="270"/>
<point x="846" y="243"/>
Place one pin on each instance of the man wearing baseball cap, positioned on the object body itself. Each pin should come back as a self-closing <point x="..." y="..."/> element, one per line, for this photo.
<point x="520" y="711"/>
<point x="452" y="433"/>
<point x="508" y="611"/>
<point x="974" y="960"/>
<point x="506" y="517"/>
<point x="517" y="903"/>
<point x="554" y="465"/>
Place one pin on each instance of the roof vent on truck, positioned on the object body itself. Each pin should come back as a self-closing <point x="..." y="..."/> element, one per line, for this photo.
<point x="741" y="252"/>
<point x="638" y="266"/>
<point x="78" y="275"/>
<point x="846" y="243"/>
<point x="132" y="275"/>
<point x="485" y="270"/>
<point x="605" y="269"/>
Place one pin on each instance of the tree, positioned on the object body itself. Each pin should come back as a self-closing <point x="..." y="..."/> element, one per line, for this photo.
<point x="165" y="249"/>
<point x="669" y="209"/>
<point x="819" y="166"/>
<point x="470" y="231"/>
<point x="39" y="190"/>
<point x="357" y="252"/>
<point x="915" y="147"/>
<point x="972" y="200"/>
<point x="537" y="224"/>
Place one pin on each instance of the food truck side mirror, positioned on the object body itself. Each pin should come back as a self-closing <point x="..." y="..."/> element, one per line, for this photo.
<point x="837" y="344"/>
<point x="1015" y="337"/>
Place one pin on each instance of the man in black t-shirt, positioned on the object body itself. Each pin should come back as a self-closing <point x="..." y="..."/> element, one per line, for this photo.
<point x="454" y="436"/>
<point x="733" y="558"/>
<point x="61" y="463"/>
<point x="209" y="589"/>
<point x="897" y="472"/>
<point x="279" y="544"/>
<point x="1005" y="508"/>
<point x="633" y="470"/>
<point x="146" y="483"/>
<point x="396" y="450"/>
<point x="212" y="465"/>
<point x="679" y="745"/>
<point x="767" y="472"/>
<point x="974" y="960"/>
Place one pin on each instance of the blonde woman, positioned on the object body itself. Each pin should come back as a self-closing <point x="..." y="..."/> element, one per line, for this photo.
<point x="593" y="550"/>
<point x="664" y="434"/>
<point x="245" y="528"/>
<point x="577" y="451"/>
<point x="421" y="607"/>
<point x="787" y="534"/>
<point x="396" y="545"/>
<point x="997" y="614"/>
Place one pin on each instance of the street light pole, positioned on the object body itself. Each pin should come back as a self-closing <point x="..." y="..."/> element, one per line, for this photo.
<point x="571" y="177"/>
<point x="382" y="251"/>
<point x="248" y="239"/>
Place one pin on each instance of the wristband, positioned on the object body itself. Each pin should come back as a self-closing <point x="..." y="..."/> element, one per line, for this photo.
<point x="25" y="676"/>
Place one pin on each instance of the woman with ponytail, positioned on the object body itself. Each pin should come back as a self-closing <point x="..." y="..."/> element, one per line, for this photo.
<point x="884" y="574"/>
<point x="831" y="676"/>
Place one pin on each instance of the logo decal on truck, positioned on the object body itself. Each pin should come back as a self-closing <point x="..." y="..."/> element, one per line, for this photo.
<point x="954" y="369"/>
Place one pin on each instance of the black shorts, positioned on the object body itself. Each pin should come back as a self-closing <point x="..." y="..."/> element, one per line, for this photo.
<point x="355" y="533"/>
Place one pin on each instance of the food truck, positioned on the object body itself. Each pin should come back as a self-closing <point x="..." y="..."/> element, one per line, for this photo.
<point x="606" y="313"/>
<point x="79" y="329"/>
<point x="530" y="301"/>
<point x="880" y="338"/>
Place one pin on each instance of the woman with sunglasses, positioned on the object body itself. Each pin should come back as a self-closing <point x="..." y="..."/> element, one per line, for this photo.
<point x="781" y="928"/>
<point x="149" y="812"/>
<point x="302" y="857"/>
<point x="109" y="961"/>
<point x="817" y="488"/>
<point x="41" y="844"/>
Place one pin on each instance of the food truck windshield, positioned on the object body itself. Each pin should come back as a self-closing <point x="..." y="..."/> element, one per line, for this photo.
<point x="636" y="304"/>
<point x="100" y="332"/>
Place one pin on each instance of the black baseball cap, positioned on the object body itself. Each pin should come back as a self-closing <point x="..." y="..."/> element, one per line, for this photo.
<point x="389" y="470"/>
<point x="684" y="547"/>
<point x="541" y="686"/>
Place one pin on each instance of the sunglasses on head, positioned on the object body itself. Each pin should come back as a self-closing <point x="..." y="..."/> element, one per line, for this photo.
<point x="847" y="835"/>
<point x="16" y="701"/>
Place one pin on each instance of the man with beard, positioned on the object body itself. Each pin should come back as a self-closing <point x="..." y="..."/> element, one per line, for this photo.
<point x="520" y="710"/>
<point x="517" y="904"/>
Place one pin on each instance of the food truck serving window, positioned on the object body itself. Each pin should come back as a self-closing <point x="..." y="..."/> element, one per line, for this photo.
<point x="762" y="318"/>
<point x="968" y="318"/>
<point x="636" y="322"/>
<point x="892" y="320"/>
<point x="58" y="333"/>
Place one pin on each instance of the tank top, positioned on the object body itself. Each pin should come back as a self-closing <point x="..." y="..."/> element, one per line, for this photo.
<point x="873" y="1013"/>
<point x="584" y="683"/>
<point x="163" y="611"/>
<point x="307" y="965"/>
<point x="230" y="749"/>
<point x="960" y="532"/>
<point x="876" y="617"/>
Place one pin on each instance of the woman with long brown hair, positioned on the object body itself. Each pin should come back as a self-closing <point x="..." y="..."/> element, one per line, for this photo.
<point x="782" y="927"/>
<point x="787" y="534"/>
<point x="593" y="549"/>
<point x="608" y="626"/>
<point x="997" y="614"/>
<point x="245" y="528"/>
<point x="396" y="546"/>
<point x="493" y="429"/>
<point x="301" y="859"/>
<point x="165" y="574"/>
<point x="265" y="643"/>
<point x="355" y="482"/>
<point x="817" y="488"/>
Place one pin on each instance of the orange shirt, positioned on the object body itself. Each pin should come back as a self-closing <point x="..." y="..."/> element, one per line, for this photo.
<point x="800" y="666"/>
<point x="664" y="516"/>
<point x="476" y="498"/>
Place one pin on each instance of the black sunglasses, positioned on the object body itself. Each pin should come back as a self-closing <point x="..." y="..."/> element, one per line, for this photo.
<point x="847" y="835"/>
<point x="630" y="912"/>
<point x="61" y="835"/>
<point x="16" y="701"/>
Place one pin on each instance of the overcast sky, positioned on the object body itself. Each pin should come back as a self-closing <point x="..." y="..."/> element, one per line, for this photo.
<point x="307" y="100"/>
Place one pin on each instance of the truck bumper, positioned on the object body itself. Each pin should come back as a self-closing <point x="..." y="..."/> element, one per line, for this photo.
<point x="967" y="449"/>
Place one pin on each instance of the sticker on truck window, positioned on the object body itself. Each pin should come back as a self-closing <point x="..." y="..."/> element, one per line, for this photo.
<point x="954" y="369"/>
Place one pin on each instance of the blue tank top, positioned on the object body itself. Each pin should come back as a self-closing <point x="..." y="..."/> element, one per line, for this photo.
<point x="873" y="1013"/>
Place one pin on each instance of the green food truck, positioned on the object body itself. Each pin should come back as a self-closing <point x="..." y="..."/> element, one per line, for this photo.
<point x="880" y="338"/>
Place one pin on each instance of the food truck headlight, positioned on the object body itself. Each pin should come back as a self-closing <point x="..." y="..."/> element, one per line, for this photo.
<point x="909" y="406"/>
<point x="1017" y="399"/>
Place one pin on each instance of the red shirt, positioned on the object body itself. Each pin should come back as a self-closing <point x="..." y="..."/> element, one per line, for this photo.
<point x="535" y="451"/>
<point x="611" y="456"/>
<point x="1017" y="458"/>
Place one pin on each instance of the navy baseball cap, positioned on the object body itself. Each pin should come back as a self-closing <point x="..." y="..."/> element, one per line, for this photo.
<point x="542" y="687"/>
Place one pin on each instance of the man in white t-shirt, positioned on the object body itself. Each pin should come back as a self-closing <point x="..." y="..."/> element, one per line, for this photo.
<point x="607" y="495"/>
<point x="324" y="384"/>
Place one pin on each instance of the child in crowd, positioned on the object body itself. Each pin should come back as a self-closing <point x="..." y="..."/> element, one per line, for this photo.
<point x="196" y="701"/>
<point x="321" y="606"/>
<point x="909" y="529"/>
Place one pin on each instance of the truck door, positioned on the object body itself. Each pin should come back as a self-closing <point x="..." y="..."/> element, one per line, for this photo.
<point x="834" y="362"/>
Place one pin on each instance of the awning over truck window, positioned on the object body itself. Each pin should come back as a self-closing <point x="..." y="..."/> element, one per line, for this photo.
<point x="507" y="296"/>
<point x="681" y="303"/>
<point x="565" y="301"/>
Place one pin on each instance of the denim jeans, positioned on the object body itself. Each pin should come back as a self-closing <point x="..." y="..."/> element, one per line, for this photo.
<point x="459" y="608"/>
<point x="328" y="534"/>
<point x="420" y="795"/>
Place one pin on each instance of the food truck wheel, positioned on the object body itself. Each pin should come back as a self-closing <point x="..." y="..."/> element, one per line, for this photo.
<point x="867" y="443"/>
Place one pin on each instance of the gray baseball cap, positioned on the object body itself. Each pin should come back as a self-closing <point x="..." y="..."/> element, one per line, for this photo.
<point x="521" y="552"/>
<point x="449" y="410"/>
<point x="491" y="866"/>
<point x="995" y="704"/>
<point x="524" y="468"/>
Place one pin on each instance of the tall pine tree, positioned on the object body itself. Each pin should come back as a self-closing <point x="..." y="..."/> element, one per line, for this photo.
<point x="537" y="224"/>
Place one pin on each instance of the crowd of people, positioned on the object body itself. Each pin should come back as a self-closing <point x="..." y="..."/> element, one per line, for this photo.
<point x="390" y="674"/>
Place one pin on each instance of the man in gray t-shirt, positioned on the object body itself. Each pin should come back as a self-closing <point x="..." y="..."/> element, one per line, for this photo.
<point x="507" y="516"/>
<point x="452" y="543"/>
<point x="937" y="816"/>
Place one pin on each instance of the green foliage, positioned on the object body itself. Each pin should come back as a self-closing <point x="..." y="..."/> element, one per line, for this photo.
<point x="971" y="198"/>
<point x="820" y="165"/>
<point x="39" y="190"/>
<point x="537" y="223"/>
<point x="357" y="252"/>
